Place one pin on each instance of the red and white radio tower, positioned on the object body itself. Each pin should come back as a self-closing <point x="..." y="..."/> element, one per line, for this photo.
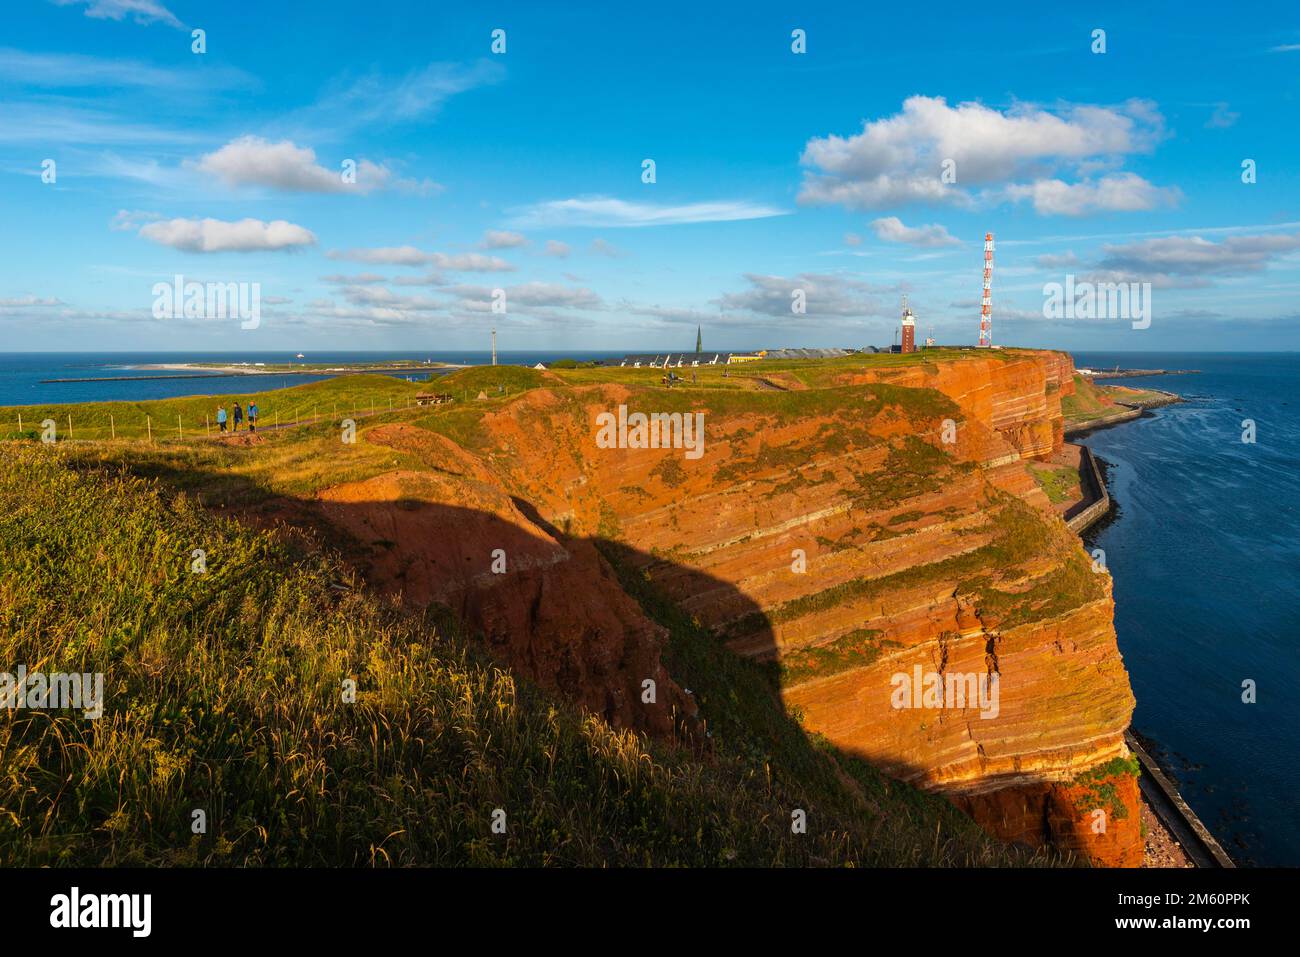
<point x="986" y="304"/>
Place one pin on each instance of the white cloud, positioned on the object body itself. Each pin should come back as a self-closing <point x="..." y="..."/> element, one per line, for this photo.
<point x="357" y="280"/>
<point x="533" y="295"/>
<point x="1057" y="260"/>
<point x="387" y="255"/>
<point x="503" y="239"/>
<point x="605" y="211"/>
<point x="470" y="262"/>
<point x="852" y="239"/>
<point x="410" y="256"/>
<point x="374" y="100"/>
<point x="901" y="158"/>
<point x="1197" y="257"/>
<point x="129" y="220"/>
<point x="382" y="296"/>
<point x="1122" y="192"/>
<point x="215" y="236"/>
<point x="429" y="279"/>
<point x="63" y="70"/>
<point x="55" y="123"/>
<point x="670" y="314"/>
<point x="602" y="248"/>
<point x="141" y="11"/>
<point x="824" y="295"/>
<point x="1221" y="118"/>
<point x="892" y="230"/>
<point x="253" y="161"/>
<point x="557" y="249"/>
<point x="26" y="301"/>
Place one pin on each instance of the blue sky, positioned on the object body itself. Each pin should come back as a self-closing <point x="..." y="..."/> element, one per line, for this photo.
<point x="522" y="171"/>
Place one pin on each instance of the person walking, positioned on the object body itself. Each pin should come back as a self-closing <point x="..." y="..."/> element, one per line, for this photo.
<point x="252" y="416"/>
<point x="239" y="416"/>
<point x="221" y="418"/>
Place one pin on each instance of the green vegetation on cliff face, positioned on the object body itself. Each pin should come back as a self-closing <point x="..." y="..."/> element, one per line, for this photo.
<point x="1099" y="789"/>
<point x="1059" y="484"/>
<point x="1089" y="401"/>
<point x="225" y="694"/>
<point x="879" y="821"/>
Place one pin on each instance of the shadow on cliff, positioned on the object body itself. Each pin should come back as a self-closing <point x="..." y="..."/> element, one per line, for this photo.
<point x="592" y="619"/>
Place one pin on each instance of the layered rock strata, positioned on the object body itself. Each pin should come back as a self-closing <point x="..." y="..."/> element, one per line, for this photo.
<point x="882" y="526"/>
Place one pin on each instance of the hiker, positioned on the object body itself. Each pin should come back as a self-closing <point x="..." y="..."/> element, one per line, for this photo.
<point x="221" y="418"/>
<point x="239" y="416"/>
<point x="252" y="416"/>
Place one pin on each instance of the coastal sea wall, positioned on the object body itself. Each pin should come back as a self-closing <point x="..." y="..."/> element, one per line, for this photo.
<point x="1094" y="488"/>
<point x="849" y="534"/>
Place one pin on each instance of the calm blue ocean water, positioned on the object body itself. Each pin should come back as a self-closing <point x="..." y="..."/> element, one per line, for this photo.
<point x="21" y="372"/>
<point x="1204" y="550"/>
<point x="1205" y="555"/>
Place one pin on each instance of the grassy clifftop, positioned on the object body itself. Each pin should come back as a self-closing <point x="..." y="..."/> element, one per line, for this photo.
<point x="225" y="695"/>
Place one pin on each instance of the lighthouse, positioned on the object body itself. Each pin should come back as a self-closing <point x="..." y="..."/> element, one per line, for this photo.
<point x="909" y="329"/>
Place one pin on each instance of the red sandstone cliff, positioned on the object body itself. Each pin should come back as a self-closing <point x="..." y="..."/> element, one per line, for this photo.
<point x="853" y="533"/>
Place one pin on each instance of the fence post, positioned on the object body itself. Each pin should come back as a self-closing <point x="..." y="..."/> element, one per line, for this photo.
<point x="207" y="425"/>
<point x="148" y="424"/>
<point x="69" y="425"/>
<point x="112" y="426"/>
<point x="179" y="433"/>
<point x="20" y="421"/>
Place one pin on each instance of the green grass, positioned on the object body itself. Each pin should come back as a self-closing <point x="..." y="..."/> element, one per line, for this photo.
<point x="1088" y="402"/>
<point x="223" y="689"/>
<point x="495" y="381"/>
<point x="328" y="400"/>
<point x="1060" y="484"/>
<point x="1100" y="790"/>
<point x="857" y="649"/>
<point x="224" y="694"/>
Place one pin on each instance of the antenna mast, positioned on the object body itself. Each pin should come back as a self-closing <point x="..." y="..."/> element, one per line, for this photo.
<point x="986" y="303"/>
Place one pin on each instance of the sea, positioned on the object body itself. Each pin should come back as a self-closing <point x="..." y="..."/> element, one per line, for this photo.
<point x="1203" y="547"/>
<point x="21" y="373"/>
<point x="1204" y="551"/>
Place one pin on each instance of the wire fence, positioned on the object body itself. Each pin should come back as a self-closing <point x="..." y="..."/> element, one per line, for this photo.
<point x="89" y="424"/>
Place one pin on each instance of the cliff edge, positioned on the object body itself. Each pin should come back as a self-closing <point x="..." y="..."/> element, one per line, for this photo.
<point x="870" y="528"/>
